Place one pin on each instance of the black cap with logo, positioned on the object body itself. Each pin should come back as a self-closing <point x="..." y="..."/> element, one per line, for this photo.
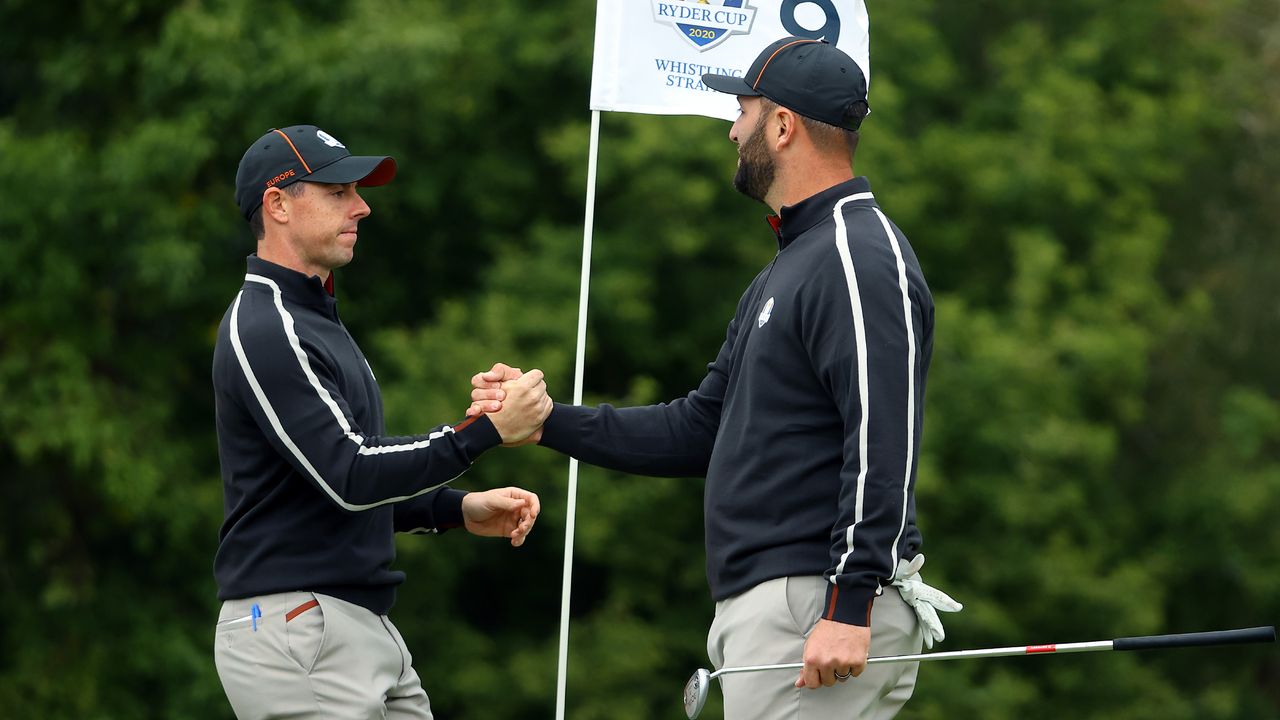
<point x="811" y="77"/>
<point x="303" y="152"/>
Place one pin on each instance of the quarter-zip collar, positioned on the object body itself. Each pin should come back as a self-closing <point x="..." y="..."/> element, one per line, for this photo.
<point x="294" y="285"/>
<point x="795" y="220"/>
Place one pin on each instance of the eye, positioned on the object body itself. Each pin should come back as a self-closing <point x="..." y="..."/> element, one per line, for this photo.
<point x="339" y="192"/>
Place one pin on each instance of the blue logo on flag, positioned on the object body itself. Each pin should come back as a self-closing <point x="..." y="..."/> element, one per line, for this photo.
<point x="705" y="23"/>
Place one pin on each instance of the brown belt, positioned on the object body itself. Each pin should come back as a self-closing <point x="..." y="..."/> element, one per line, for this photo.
<point x="301" y="609"/>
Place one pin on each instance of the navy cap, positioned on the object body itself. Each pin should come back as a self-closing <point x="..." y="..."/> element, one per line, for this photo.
<point x="811" y="77"/>
<point x="303" y="152"/>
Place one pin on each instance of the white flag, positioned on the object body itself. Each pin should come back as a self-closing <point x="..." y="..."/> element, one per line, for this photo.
<point x="650" y="54"/>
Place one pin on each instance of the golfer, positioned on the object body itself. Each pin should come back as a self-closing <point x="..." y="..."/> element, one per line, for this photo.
<point x="314" y="488"/>
<point x="807" y="425"/>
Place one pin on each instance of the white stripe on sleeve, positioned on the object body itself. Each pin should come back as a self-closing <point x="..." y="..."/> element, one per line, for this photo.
<point x="846" y="260"/>
<point x="274" y="419"/>
<point x="864" y="396"/>
<point x="911" y="383"/>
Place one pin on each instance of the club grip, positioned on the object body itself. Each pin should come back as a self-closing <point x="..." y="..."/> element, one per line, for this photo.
<point x="1198" y="639"/>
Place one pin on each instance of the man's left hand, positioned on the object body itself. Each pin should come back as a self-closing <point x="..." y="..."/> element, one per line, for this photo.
<point x="503" y="512"/>
<point x="834" y="647"/>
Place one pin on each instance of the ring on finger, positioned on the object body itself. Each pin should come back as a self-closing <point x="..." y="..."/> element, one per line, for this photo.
<point x="843" y="677"/>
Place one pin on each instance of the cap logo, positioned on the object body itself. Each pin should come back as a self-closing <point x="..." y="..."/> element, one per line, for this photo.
<point x="705" y="24"/>
<point x="329" y="140"/>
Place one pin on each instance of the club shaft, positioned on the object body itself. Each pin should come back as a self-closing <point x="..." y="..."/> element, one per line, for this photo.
<point x="953" y="655"/>
<point x="1223" y="637"/>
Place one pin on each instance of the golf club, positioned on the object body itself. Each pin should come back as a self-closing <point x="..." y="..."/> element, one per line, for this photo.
<point x="699" y="685"/>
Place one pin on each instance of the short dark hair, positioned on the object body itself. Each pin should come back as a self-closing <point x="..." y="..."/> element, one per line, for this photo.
<point x="827" y="137"/>
<point x="255" y="220"/>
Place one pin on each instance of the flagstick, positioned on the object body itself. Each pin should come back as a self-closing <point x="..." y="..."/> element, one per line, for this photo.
<point x="578" y="370"/>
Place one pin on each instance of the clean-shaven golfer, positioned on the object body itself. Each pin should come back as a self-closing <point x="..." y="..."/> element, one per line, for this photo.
<point x="314" y="488"/>
<point x="808" y="423"/>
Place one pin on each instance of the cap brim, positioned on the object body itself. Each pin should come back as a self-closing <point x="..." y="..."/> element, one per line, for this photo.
<point x="728" y="84"/>
<point x="368" y="170"/>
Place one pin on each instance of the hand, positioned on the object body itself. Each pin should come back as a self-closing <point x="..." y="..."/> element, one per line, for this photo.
<point x="504" y="512"/>
<point x="834" y="647"/>
<point x="487" y="393"/>
<point x="533" y="439"/>
<point x="525" y="407"/>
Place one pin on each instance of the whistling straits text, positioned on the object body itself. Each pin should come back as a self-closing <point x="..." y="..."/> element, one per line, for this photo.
<point x="688" y="75"/>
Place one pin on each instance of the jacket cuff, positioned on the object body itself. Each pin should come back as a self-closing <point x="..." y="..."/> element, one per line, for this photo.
<point x="476" y="435"/>
<point x="849" y="605"/>
<point x="561" y="428"/>
<point x="446" y="510"/>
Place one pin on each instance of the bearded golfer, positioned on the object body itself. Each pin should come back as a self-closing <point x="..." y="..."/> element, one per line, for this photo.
<point x="808" y="423"/>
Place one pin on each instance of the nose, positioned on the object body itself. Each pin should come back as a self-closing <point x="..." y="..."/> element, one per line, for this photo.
<point x="733" y="132"/>
<point x="362" y="209"/>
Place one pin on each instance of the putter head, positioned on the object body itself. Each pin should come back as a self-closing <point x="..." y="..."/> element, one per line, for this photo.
<point x="695" y="693"/>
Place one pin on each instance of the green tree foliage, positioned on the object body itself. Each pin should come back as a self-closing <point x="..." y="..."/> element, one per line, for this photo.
<point x="1090" y="187"/>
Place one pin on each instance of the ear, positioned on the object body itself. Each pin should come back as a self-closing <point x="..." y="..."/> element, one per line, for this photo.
<point x="275" y="204"/>
<point x="786" y="127"/>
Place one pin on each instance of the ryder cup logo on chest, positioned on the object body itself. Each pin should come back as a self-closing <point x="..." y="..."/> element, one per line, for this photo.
<point x="765" y="313"/>
<point x="705" y="23"/>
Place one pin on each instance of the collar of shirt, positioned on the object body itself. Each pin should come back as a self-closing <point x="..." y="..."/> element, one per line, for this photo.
<point x="299" y="288"/>
<point x="796" y="220"/>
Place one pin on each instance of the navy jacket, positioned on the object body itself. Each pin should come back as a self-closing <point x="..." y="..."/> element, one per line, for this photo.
<point x="807" y="425"/>
<point x="313" y="490"/>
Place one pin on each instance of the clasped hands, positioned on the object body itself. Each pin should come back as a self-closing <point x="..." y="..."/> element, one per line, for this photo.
<point x="516" y="402"/>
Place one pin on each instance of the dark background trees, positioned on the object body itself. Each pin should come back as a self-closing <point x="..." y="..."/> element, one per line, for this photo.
<point x="1090" y="186"/>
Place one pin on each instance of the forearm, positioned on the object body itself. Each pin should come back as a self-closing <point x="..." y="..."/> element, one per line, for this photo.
<point x="434" y="512"/>
<point x="667" y="440"/>
<point x="386" y="470"/>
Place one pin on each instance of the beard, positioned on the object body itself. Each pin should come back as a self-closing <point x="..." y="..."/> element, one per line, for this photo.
<point x="755" y="166"/>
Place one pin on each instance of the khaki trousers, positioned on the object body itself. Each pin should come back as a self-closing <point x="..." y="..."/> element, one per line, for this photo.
<point x="768" y="625"/>
<point x="315" y="656"/>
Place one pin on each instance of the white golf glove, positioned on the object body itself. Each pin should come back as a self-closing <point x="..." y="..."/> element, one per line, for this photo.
<point x="926" y="600"/>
